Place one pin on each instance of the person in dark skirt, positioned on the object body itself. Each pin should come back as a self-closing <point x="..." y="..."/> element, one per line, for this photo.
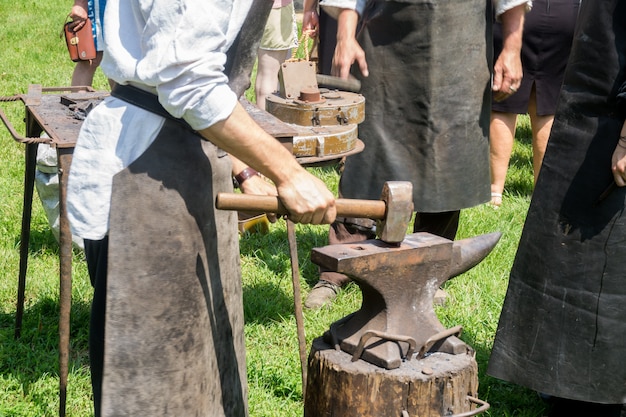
<point x="563" y="323"/>
<point x="548" y="31"/>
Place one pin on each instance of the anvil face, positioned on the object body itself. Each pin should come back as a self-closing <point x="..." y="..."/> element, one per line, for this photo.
<point x="398" y="285"/>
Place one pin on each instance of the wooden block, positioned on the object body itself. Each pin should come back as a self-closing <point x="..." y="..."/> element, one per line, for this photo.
<point x="438" y="385"/>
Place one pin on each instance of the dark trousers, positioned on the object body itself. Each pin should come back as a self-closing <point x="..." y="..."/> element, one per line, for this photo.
<point x="443" y="224"/>
<point x="561" y="407"/>
<point x="96" y="254"/>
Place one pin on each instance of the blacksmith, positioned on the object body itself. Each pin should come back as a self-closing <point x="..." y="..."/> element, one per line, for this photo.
<point x="141" y="193"/>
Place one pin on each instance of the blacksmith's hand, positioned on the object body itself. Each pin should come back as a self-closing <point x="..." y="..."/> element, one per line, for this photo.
<point x="259" y="185"/>
<point x="307" y="199"/>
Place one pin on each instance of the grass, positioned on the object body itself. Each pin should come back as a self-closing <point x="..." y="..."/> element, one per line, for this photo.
<point x="33" y="53"/>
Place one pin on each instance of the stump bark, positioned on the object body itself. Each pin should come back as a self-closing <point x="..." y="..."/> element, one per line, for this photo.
<point x="435" y="386"/>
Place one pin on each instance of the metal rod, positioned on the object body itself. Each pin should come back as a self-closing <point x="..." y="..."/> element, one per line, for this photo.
<point x="350" y="84"/>
<point x="297" y="300"/>
<point x="453" y="331"/>
<point x="484" y="406"/>
<point x="64" y="157"/>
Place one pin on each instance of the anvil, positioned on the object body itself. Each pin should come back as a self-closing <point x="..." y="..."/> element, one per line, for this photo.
<point x="398" y="284"/>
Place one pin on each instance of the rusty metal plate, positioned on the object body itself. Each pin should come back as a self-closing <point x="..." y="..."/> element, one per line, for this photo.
<point x="296" y="76"/>
<point x="335" y="108"/>
<point x="324" y="140"/>
<point x="315" y="161"/>
<point x="51" y="111"/>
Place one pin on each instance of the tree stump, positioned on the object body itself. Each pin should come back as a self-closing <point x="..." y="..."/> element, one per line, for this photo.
<point x="437" y="385"/>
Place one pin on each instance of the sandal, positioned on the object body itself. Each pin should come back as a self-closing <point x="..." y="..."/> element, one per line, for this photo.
<point x="496" y="200"/>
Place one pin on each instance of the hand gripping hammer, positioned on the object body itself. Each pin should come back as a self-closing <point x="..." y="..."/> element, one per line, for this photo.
<point x="392" y="212"/>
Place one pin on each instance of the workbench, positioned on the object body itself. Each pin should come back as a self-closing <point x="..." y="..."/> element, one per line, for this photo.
<point x="53" y="116"/>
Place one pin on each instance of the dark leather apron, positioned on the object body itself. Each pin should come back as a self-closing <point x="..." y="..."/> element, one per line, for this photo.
<point x="428" y="103"/>
<point x="563" y="325"/>
<point x="174" y="317"/>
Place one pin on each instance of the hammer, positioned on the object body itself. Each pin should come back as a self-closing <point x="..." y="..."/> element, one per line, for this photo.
<point x="393" y="211"/>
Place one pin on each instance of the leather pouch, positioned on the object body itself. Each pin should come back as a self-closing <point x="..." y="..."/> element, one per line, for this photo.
<point x="80" y="44"/>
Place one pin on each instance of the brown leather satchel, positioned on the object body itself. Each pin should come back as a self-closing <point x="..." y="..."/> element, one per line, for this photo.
<point x="80" y="44"/>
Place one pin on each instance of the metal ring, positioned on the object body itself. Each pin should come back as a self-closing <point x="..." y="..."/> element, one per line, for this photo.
<point x="484" y="406"/>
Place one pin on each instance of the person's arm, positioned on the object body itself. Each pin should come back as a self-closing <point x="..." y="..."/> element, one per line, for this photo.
<point x="618" y="162"/>
<point x="310" y="18"/>
<point x="252" y="182"/>
<point x="507" y="71"/>
<point x="78" y="14"/>
<point x="348" y="50"/>
<point x="306" y="197"/>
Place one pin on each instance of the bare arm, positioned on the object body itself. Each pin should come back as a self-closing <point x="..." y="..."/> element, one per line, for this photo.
<point x="78" y="14"/>
<point x="618" y="163"/>
<point x="306" y="197"/>
<point x="348" y="49"/>
<point x="256" y="184"/>
<point x="507" y="71"/>
<point x="310" y="18"/>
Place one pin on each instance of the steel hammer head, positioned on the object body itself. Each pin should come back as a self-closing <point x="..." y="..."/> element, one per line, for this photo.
<point x="398" y="198"/>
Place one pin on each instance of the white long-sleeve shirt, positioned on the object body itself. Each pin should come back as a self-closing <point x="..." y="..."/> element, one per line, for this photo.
<point x="173" y="48"/>
<point x="332" y="7"/>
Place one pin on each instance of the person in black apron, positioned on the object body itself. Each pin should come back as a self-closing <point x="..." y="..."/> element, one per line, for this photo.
<point x="563" y="324"/>
<point x="427" y="85"/>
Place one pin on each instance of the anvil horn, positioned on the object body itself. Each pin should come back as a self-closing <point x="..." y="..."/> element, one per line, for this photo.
<point x="467" y="253"/>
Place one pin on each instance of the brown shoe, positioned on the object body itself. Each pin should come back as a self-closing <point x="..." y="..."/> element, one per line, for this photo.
<point x="322" y="293"/>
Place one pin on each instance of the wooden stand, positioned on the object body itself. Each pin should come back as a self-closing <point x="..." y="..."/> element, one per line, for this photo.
<point x="439" y="385"/>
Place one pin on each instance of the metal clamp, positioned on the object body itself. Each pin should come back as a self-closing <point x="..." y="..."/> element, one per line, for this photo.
<point x="315" y="118"/>
<point x="453" y="331"/>
<point x="368" y="334"/>
<point x="342" y="119"/>
<point x="9" y="125"/>
<point x="484" y="406"/>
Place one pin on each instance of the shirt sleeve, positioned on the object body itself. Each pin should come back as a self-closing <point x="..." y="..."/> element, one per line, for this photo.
<point x="504" y="5"/>
<point x="177" y="49"/>
<point x="333" y="7"/>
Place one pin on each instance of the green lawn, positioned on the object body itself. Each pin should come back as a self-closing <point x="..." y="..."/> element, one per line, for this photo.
<point x="33" y="53"/>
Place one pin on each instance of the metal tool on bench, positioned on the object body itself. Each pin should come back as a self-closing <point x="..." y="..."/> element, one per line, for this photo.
<point x="393" y="211"/>
<point x="326" y="119"/>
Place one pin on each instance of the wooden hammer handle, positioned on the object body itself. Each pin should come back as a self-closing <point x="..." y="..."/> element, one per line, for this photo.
<point x="369" y="209"/>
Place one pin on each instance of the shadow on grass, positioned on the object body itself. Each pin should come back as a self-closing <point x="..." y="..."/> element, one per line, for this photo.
<point x="270" y="299"/>
<point x="506" y="399"/>
<point x="40" y="241"/>
<point x="36" y="352"/>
